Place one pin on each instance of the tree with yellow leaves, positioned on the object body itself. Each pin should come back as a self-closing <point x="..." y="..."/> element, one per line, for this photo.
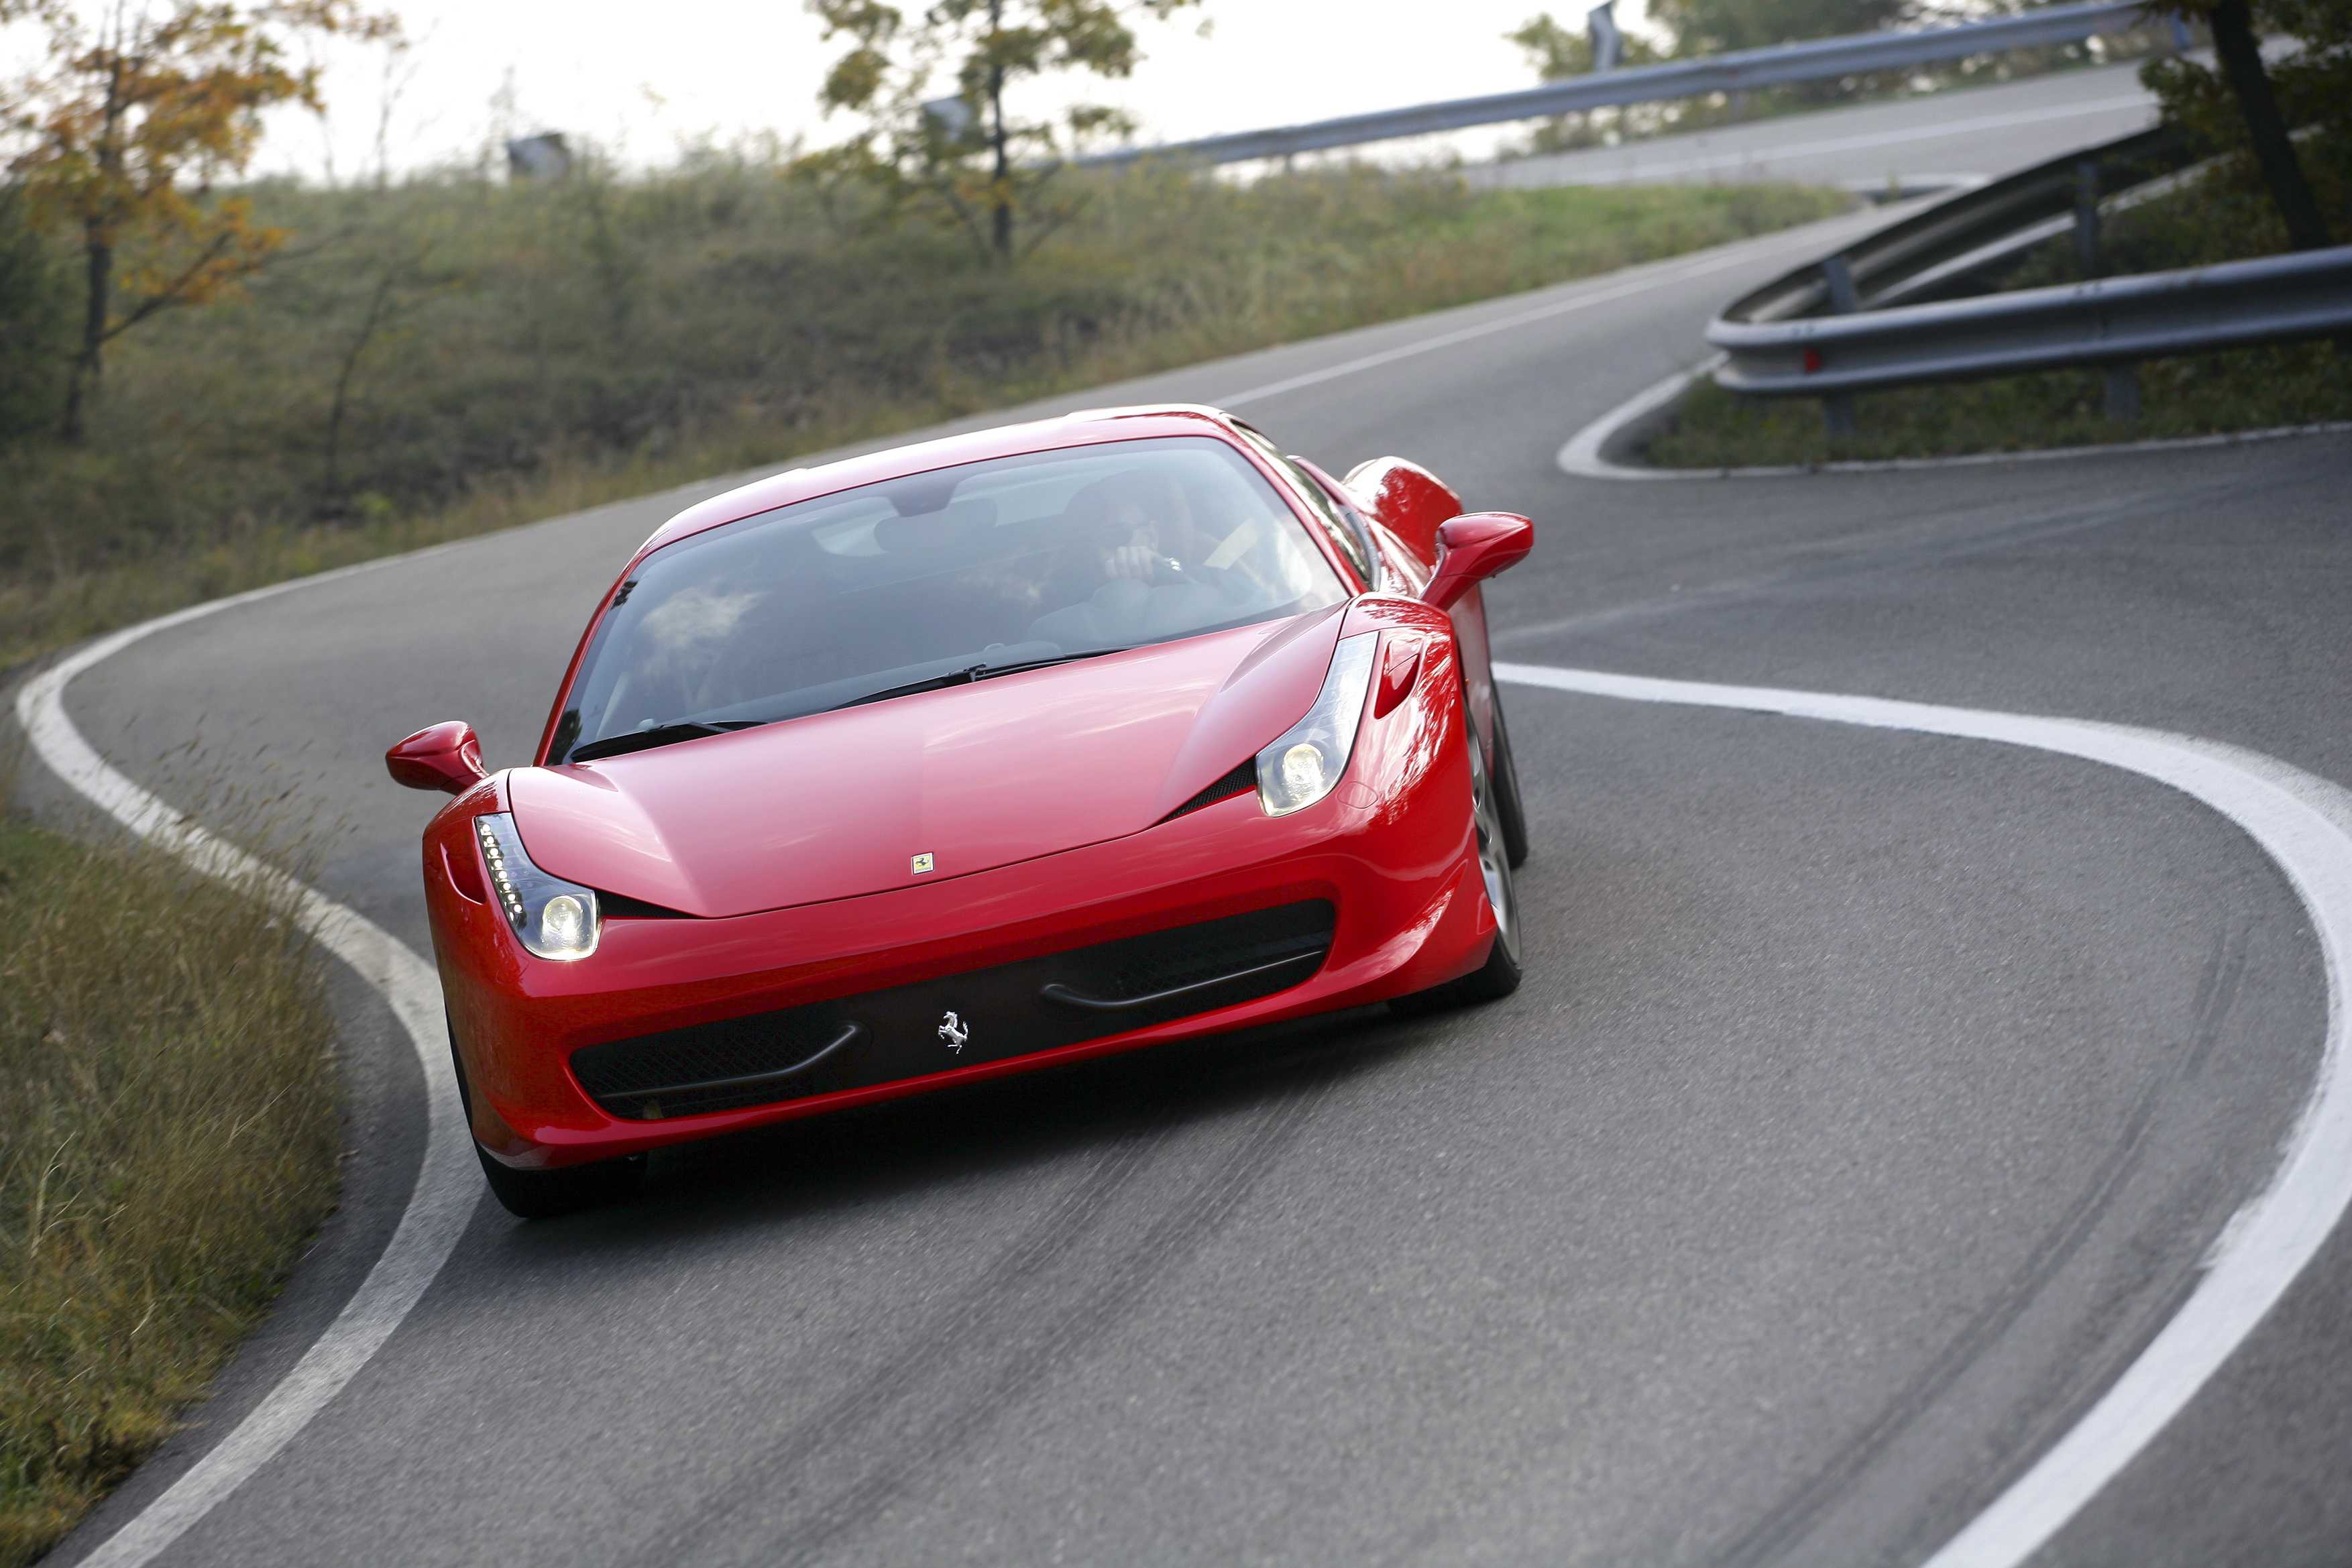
<point x="123" y="128"/>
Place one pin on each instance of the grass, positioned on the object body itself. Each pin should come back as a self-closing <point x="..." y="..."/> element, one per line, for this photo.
<point x="509" y="352"/>
<point x="2223" y="218"/>
<point x="168" y="1138"/>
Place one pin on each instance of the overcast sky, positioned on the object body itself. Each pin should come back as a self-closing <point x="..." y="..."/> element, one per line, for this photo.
<point x="646" y="78"/>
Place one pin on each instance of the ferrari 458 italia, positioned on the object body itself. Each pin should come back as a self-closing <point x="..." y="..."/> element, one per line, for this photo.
<point x="968" y="758"/>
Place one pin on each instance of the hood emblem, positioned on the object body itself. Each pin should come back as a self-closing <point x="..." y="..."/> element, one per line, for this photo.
<point x="954" y="1030"/>
<point x="919" y="864"/>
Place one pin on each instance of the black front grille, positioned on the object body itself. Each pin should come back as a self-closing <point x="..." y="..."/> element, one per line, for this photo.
<point x="1011" y="1010"/>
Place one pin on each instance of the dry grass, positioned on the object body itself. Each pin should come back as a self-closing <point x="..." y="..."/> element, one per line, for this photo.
<point x="168" y="1138"/>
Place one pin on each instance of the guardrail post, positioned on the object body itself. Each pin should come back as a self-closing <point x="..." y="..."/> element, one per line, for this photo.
<point x="1837" y="408"/>
<point x="2086" y="218"/>
<point x="2123" y="393"/>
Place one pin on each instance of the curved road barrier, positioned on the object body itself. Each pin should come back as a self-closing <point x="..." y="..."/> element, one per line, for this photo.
<point x="1739" y="71"/>
<point x="2113" y="322"/>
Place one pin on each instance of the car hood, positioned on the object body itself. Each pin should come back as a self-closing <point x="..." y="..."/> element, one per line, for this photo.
<point x="838" y="805"/>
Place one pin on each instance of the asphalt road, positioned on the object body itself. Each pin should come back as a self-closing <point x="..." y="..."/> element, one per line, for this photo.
<point x="1871" y="1100"/>
<point x="1944" y="138"/>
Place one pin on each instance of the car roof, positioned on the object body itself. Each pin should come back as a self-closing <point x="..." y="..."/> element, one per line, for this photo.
<point x="1085" y="428"/>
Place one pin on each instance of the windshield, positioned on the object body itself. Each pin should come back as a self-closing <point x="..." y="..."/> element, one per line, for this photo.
<point x="939" y="577"/>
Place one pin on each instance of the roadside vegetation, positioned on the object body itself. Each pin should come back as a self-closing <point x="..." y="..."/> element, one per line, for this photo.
<point x="2264" y="194"/>
<point x="451" y="355"/>
<point x="168" y="1138"/>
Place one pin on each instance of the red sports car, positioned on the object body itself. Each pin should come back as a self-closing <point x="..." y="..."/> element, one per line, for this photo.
<point x="968" y="758"/>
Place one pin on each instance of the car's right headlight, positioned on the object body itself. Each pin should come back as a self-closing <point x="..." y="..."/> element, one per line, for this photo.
<point x="554" y="918"/>
<point x="1305" y="765"/>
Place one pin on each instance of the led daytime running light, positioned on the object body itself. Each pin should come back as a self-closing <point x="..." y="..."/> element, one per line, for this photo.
<point x="552" y="917"/>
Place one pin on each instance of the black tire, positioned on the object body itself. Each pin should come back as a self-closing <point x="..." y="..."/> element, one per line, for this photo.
<point x="1500" y="975"/>
<point x="1509" y="808"/>
<point x="542" y="1195"/>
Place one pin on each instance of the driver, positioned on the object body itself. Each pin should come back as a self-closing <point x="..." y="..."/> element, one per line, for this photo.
<point x="1138" y="524"/>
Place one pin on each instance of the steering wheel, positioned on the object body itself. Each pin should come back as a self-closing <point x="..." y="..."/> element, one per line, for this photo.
<point x="1167" y="571"/>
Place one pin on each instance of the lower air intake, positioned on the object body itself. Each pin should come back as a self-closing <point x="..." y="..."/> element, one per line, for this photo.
<point x="1011" y="1010"/>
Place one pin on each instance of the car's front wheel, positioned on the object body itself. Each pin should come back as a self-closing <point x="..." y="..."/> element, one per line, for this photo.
<point x="542" y="1195"/>
<point x="1509" y="808"/>
<point x="1499" y="975"/>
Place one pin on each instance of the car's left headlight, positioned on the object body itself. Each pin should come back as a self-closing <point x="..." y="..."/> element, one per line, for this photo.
<point x="1305" y="765"/>
<point x="554" y="918"/>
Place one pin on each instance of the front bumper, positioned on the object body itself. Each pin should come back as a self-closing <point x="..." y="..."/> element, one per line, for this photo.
<point x="1390" y="851"/>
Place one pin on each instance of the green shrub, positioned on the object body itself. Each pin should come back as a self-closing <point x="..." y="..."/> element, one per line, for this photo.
<point x="35" y="323"/>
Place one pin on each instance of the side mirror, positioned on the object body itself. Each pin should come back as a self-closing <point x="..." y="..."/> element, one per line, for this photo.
<point x="1474" y="547"/>
<point x="444" y="757"/>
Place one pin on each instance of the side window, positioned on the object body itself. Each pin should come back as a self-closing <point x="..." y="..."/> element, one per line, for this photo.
<point x="1355" y="534"/>
<point x="1342" y="529"/>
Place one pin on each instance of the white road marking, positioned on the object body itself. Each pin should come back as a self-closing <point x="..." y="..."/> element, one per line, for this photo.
<point x="2305" y="824"/>
<point x="448" y="1186"/>
<point x="1736" y="255"/>
<point x="1582" y="456"/>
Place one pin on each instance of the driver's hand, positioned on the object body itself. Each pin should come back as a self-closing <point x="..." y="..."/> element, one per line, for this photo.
<point x="1136" y="560"/>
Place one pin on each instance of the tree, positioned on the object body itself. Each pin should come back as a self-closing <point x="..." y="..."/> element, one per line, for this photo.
<point x="123" y="131"/>
<point x="34" y="304"/>
<point x="2250" y="106"/>
<point x="967" y="151"/>
<point x="1558" y="52"/>
<point x="1713" y="27"/>
<point x="1716" y="26"/>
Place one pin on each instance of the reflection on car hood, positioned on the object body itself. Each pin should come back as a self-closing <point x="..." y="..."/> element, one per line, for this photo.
<point x="837" y="805"/>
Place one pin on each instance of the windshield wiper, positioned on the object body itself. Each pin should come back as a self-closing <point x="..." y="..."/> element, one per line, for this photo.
<point x="986" y="671"/>
<point x="660" y="735"/>
<point x="972" y="672"/>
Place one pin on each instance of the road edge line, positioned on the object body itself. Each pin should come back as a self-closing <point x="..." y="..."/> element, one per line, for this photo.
<point x="1583" y="456"/>
<point x="447" y="1186"/>
<point x="2303" y="824"/>
<point x="1596" y="290"/>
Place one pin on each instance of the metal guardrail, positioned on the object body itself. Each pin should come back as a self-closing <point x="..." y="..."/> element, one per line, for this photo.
<point x="1877" y="314"/>
<point x="1948" y="247"/>
<point x="1739" y="70"/>
<point x="2113" y="322"/>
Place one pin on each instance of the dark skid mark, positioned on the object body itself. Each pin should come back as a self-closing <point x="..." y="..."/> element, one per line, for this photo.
<point x="2217" y="990"/>
<point x="1197" y="1216"/>
<point x="970" y="1363"/>
<point x="1773" y="1536"/>
<point x="975" y="1311"/>
<point x="1907" y="555"/>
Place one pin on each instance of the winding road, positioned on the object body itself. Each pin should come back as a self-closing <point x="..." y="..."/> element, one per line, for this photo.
<point x="1876" y="1099"/>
